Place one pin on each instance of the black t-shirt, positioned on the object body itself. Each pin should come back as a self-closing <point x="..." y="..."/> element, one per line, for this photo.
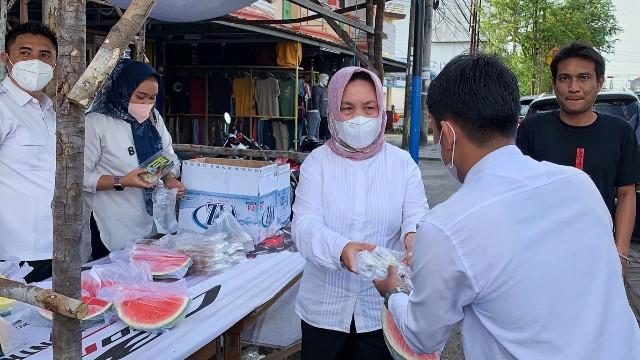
<point x="606" y="150"/>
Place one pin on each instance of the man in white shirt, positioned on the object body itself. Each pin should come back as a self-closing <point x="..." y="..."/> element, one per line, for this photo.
<point x="523" y="254"/>
<point x="27" y="148"/>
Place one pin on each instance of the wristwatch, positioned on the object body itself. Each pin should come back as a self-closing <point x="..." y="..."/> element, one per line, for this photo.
<point x="117" y="186"/>
<point x="395" y="290"/>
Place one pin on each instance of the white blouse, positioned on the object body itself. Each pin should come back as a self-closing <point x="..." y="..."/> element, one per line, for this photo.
<point x="378" y="201"/>
<point x="121" y="216"/>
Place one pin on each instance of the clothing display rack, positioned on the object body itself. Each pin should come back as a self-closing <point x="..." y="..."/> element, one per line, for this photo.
<point x="252" y="72"/>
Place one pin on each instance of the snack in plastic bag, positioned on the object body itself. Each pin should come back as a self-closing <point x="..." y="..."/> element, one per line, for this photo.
<point x="163" y="263"/>
<point x="11" y="269"/>
<point x="9" y="338"/>
<point x="156" y="167"/>
<point x="152" y="306"/>
<point x="211" y="253"/>
<point x="164" y="209"/>
<point x="226" y="223"/>
<point x="373" y="265"/>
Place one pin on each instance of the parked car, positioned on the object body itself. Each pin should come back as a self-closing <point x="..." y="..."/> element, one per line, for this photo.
<point x="624" y="104"/>
<point x="525" y="101"/>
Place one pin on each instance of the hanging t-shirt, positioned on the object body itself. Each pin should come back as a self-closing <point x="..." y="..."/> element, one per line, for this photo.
<point x="321" y="100"/>
<point x="287" y="98"/>
<point x="289" y="53"/>
<point x="220" y="95"/>
<point x="242" y="96"/>
<point x="267" y="92"/>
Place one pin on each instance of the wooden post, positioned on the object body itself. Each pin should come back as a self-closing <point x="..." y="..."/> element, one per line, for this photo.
<point x="377" y="38"/>
<point x="43" y="298"/>
<point x="67" y="202"/>
<point x="24" y="11"/>
<point x="370" y="23"/>
<point x="3" y="33"/>
<point x="110" y="52"/>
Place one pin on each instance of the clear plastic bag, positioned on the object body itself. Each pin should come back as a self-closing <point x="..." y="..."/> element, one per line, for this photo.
<point x="226" y="223"/>
<point x="373" y="265"/>
<point x="104" y="278"/>
<point x="163" y="262"/>
<point x="156" y="167"/>
<point x="164" y="209"/>
<point x="154" y="307"/>
<point x="10" y="339"/>
<point x="211" y="253"/>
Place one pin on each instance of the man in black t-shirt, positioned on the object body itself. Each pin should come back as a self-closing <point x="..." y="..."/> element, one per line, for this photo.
<point x="601" y="145"/>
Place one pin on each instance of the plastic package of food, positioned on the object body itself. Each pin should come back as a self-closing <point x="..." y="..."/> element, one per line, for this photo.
<point x="164" y="263"/>
<point x="211" y="253"/>
<point x="9" y="337"/>
<point x="226" y="223"/>
<point x="156" y="167"/>
<point x="373" y="265"/>
<point x="154" y="307"/>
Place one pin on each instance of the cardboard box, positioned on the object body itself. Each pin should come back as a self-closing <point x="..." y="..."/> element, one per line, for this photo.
<point x="283" y="210"/>
<point x="247" y="188"/>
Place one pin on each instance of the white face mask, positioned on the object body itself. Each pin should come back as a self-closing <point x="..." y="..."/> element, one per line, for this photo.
<point x="31" y="75"/>
<point x="451" y="167"/>
<point x="360" y="131"/>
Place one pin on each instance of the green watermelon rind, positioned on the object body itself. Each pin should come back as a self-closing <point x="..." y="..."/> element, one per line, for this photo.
<point x="172" y="274"/>
<point x="388" y="325"/>
<point x="165" y="324"/>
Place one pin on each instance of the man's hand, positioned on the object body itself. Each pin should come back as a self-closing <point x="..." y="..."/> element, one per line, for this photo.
<point x="173" y="183"/>
<point x="392" y="281"/>
<point x="409" y="239"/>
<point x="350" y="251"/>
<point x="133" y="180"/>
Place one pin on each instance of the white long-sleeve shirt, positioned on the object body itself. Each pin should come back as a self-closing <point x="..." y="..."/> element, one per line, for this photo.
<point x="523" y="254"/>
<point x="27" y="174"/>
<point x="377" y="201"/>
<point x="121" y="216"/>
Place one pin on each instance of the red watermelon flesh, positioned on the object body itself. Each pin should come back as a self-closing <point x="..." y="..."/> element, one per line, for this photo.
<point x="395" y="342"/>
<point x="154" y="312"/>
<point x="162" y="262"/>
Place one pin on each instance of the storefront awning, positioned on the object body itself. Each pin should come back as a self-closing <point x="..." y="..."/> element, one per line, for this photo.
<point x="190" y="10"/>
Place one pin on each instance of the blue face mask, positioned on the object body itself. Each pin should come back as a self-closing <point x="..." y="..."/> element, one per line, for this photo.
<point x="451" y="167"/>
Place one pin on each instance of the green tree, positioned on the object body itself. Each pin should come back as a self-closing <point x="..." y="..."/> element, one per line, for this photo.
<point x="524" y="32"/>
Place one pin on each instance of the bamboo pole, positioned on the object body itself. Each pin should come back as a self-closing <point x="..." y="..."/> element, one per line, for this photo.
<point x="24" y="11"/>
<point x="67" y="201"/>
<point x="43" y="298"/>
<point x="110" y="52"/>
<point x="369" y="18"/>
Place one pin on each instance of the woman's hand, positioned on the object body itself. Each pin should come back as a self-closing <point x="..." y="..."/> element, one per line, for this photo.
<point x="133" y="180"/>
<point x="170" y="182"/>
<point x="408" y="245"/>
<point x="350" y="251"/>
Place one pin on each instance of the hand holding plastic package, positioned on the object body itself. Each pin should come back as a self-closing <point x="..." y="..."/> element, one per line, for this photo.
<point x="373" y="265"/>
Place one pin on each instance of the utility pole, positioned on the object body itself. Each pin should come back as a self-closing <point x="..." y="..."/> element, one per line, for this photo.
<point x="426" y="70"/>
<point x="407" y="88"/>
<point x="416" y="82"/>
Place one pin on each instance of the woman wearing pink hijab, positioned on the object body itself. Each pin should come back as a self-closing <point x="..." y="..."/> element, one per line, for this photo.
<point x="355" y="193"/>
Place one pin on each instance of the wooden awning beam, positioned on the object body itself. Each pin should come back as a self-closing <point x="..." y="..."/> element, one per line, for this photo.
<point x="330" y="14"/>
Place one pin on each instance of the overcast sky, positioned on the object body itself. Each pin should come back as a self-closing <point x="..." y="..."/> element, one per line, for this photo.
<point x="622" y="64"/>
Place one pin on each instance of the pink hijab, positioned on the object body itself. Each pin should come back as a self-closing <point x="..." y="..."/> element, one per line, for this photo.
<point x="336" y="88"/>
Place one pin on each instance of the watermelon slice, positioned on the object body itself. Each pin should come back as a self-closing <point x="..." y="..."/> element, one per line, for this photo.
<point x="395" y="342"/>
<point x="164" y="263"/>
<point x="97" y="308"/>
<point x="153" y="313"/>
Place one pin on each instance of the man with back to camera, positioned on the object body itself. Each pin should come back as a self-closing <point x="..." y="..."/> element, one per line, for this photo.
<point x="602" y="145"/>
<point x="28" y="148"/>
<point x="522" y="254"/>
